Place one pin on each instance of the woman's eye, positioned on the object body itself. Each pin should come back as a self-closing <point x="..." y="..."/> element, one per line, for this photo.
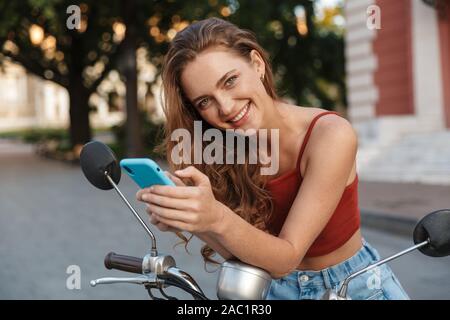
<point x="203" y="103"/>
<point x="230" y="81"/>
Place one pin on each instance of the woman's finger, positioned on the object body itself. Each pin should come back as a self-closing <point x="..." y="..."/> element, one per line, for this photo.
<point x="175" y="224"/>
<point x="197" y="177"/>
<point x="160" y="225"/>
<point x="179" y="192"/>
<point x="178" y="182"/>
<point x="152" y="218"/>
<point x="162" y="201"/>
<point x="186" y="192"/>
<point x="171" y="214"/>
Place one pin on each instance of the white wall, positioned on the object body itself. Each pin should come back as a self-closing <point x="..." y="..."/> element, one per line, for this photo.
<point x="428" y="95"/>
<point x="361" y="64"/>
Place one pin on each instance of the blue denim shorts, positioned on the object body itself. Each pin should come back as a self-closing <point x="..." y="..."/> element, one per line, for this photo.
<point x="379" y="283"/>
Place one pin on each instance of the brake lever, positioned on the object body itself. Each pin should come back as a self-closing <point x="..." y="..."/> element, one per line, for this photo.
<point x="184" y="281"/>
<point x="183" y="278"/>
<point x="149" y="279"/>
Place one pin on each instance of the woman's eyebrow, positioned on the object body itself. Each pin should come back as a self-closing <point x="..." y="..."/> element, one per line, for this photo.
<point x="222" y="79"/>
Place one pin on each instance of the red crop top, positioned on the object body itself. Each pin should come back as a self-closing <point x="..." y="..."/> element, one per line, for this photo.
<point x="344" y="222"/>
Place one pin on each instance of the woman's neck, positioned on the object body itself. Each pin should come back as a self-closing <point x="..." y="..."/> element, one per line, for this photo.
<point x="280" y="117"/>
<point x="283" y="118"/>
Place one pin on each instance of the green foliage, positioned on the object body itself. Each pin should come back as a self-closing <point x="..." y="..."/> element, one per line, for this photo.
<point x="53" y="143"/>
<point x="36" y="135"/>
<point x="309" y="67"/>
<point x="300" y="62"/>
<point x="72" y="52"/>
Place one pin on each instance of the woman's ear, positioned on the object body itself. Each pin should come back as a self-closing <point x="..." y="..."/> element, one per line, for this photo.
<point x="258" y="63"/>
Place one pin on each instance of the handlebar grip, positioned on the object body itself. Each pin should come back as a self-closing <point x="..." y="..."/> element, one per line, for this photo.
<point x="123" y="263"/>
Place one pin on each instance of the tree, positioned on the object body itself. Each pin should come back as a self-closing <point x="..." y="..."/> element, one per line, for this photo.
<point x="35" y="34"/>
<point x="307" y="57"/>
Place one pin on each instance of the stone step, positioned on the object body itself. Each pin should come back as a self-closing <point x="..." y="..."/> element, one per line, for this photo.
<point x="422" y="158"/>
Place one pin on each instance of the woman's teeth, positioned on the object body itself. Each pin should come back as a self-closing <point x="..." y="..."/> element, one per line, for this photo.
<point x="241" y="114"/>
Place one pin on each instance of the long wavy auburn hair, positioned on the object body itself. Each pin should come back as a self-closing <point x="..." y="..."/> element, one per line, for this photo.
<point x="239" y="186"/>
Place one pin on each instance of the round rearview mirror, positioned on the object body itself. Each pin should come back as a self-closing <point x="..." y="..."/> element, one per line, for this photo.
<point x="96" y="158"/>
<point x="436" y="227"/>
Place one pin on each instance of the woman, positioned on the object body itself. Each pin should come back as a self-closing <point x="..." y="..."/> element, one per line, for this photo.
<point x="300" y="224"/>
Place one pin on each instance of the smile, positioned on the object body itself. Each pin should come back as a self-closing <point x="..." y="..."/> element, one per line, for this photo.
<point x="241" y="114"/>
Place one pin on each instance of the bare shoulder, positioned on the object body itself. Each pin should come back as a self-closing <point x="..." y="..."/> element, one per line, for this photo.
<point x="335" y="126"/>
<point x="329" y="124"/>
<point x="332" y="135"/>
<point x="326" y="123"/>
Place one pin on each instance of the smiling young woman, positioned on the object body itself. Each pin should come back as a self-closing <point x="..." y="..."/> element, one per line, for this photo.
<point x="301" y="224"/>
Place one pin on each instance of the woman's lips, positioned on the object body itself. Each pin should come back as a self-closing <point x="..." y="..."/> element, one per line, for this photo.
<point x="242" y="117"/>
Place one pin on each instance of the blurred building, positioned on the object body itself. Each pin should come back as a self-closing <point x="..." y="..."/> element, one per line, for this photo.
<point x="27" y="101"/>
<point x="398" y="78"/>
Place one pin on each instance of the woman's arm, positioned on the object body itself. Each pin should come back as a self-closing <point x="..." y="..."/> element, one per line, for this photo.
<point x="330" y="158"/>
<point x="210" y="241"/>
<point x="214" y="244"/>
<point x="333" y="146"/>
<point x="253" y="246"/>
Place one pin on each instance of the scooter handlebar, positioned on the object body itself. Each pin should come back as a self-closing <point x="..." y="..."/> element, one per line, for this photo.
<point x="123" y="263"/>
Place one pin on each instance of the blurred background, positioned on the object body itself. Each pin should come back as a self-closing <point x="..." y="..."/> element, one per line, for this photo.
<point x="73" y="71"/>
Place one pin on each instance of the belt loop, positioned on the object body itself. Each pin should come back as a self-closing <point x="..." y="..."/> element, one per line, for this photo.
<point x="326" y="279"/>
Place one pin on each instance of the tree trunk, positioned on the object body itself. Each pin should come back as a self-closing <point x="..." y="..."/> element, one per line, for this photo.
<point x="80" y="129"/>
<point x="134" y="143"/>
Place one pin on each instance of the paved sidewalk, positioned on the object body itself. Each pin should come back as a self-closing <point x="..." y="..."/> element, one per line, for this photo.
<point x="389" y="206"/>
<point x="397" y="207"/>
<point x="48" y="209"/>
<point x="52" y="218"/>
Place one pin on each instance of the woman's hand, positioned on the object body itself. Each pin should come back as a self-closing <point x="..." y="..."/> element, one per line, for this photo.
<point x="189" y="208"/>
<point x="153" y="220"/>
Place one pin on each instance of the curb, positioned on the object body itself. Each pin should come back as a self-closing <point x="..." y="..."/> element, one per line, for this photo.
<point x="388" y="223"/>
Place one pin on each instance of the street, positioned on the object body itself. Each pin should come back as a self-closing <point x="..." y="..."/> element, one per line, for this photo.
<point x="52" y="218"/>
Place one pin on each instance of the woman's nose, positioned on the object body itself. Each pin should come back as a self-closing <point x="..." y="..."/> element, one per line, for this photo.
<point x="226" y="106"/>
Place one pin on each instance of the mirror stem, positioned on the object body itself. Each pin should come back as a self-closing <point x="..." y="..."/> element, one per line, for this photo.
<point x="154" y="251"/>
<point x="343" y="291"/>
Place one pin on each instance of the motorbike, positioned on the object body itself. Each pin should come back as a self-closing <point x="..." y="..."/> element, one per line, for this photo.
<point x="236" y="280"/>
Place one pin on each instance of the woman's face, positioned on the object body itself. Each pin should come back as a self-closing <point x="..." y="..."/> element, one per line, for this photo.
<point x="226" y="89"/>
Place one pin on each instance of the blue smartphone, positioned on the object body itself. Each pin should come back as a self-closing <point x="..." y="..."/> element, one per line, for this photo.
<point x="145" y="172"/>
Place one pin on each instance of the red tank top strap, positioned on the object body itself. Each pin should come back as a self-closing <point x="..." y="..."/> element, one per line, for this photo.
<point x="308" y="133"/>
